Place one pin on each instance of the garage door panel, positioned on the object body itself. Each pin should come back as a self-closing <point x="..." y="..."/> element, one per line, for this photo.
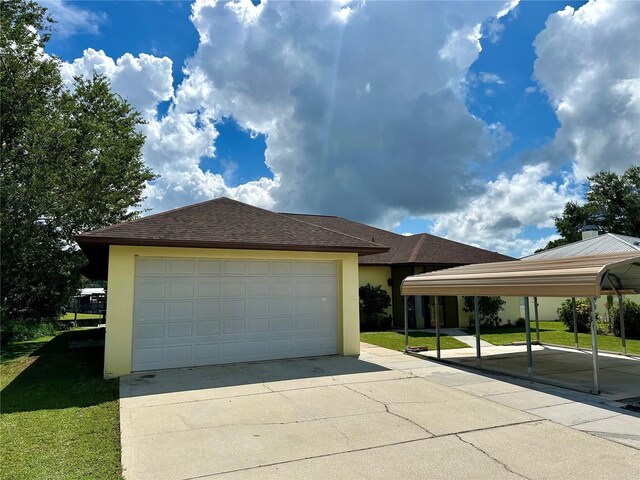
<point x="207" y="308"/>
<point x="178" y="308"/>
<point x="232" y="310"/>
<point x="207" y="351"/>
<point x="281" y="306"/>
<point x="258" y="288"/>
<point x="233" y="307"/>
<point x="178" y="288"/>
<point x="179" y="329"/>
<point x="179" y="353"/>
<point x="148" y="310"/>
<point x="259" y="325"/>
<point x="233" y="325"/>
<point x="148" y="356"/>
<point x="258" y="267"/>
<point x="234" y="267"/>
<point x="234" y="288"/>
<point x="258" y="307"/>
<point x="282" y="324"/>
<point x="209" y="267"/>
<point x="281" y="268"/>
<point x="181" y="267"/>
<point x="281" y="287"/>
<point x="150" y="288"/>
<point x="207" y="287"/>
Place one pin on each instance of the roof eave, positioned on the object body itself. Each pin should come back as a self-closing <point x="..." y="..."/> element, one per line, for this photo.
<point x="156" y="242"/>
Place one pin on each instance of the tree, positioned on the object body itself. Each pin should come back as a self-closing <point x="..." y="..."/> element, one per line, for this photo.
<point x="488" y="310"/>
<point x="71" y="161"/>
<point x="612" y="204"/>
<point x="373" y="302"/>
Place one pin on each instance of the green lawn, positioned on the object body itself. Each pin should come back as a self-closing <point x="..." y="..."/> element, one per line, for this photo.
<point x="59" y="417"/>
<point x="395" y="340"/>
<point x="81" y="316"/>
<point x="556" y="333"/>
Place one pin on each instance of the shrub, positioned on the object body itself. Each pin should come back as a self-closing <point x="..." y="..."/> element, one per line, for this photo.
<point x="488" y="308"/>
<point x="521" y="322"/>
<point x="373" y="302"/>
<point x="23" y="330"/>
<point x="631" y="319"/>
<point x="583" y="314"/>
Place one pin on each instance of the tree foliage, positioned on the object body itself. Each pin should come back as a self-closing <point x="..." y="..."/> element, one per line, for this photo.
<point x="489" y="309"/>
<point x="612" y="204"/>
<point x="70" y="161"/>
<point x="373" y="302"/>
<point x="583" y="314"/>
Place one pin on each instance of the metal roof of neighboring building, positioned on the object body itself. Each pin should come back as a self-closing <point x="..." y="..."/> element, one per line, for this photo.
<point x="602" y="244"/>
<point x="585" y="276"/>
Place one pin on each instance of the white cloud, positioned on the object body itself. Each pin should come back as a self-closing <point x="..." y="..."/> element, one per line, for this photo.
<point x="487" y="77"/>
<point x="496" y="219"/>
<point x="144" y="80"/>
<point x="588" y="63"/>
<point x="71" y="19"/>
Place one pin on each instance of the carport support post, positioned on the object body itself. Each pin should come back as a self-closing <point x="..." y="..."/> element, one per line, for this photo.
<point x="575" y="321"/>
<point x="622" y="334"/>
<point x="406" y="323"/>
<point x="476" y="309"/>
<point x="594" y="346"/>
<point x="437" y="326"/>
<point x="527" y="323"/>
<point x="535" y="311"/>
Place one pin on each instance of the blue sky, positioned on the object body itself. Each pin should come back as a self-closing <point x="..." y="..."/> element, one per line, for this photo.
<point x="439" y="124"/>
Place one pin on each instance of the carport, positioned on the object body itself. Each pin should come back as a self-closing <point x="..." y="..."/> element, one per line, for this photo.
<point x="588" y="276"/>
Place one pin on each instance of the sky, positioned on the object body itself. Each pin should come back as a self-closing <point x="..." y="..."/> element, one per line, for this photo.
<point x="475" y="120"/>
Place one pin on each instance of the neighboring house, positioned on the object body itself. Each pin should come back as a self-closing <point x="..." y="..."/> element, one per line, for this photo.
<point x="408" y="255"/>
<point x="222" y="281"/>
<point x="591" y="244"/>
<point x="89" y="300"/>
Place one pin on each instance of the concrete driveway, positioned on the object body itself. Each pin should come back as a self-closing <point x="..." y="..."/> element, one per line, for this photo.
<point x="385" y="415"/>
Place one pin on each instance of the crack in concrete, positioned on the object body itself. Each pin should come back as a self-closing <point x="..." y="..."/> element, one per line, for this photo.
<point x="386" y="407"/>
<point x="364" y="449"/>
<point x="504" y="465"/>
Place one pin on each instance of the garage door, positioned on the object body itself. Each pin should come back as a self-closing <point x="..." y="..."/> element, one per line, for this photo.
<point x="202" y="312"/>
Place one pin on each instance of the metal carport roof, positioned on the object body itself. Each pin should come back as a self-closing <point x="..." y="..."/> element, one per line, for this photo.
<point x="588" y="276"/>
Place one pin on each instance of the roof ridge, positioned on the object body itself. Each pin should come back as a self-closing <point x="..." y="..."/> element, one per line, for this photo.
<point x="153" y="215"/>
<point x="417" y="248"/>
<point x="333" y="231"/>
<point x="617" y="236"/>
<point x="347" y="220"/>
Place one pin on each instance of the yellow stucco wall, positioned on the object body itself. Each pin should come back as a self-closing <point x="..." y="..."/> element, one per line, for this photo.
<point x="377" y="276"/>
<point x="122" y="261"/>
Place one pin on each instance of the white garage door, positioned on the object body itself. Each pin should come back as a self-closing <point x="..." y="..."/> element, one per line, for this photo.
<point x="202" y="312"/>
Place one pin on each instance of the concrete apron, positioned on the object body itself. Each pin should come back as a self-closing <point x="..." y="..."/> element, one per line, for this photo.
<point x="619" y="375"/>
<point x="384" y="415"/>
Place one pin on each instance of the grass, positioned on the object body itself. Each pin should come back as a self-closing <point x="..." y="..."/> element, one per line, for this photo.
<point x="556" y="333"/>
<point x="395" y="340"/>
<point x="59" y="417"/>
<point x="81" y="316"/>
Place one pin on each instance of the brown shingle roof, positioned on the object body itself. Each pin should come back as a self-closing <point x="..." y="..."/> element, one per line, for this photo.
<point x="226" y="223"/>
<point x="421" y="249"/>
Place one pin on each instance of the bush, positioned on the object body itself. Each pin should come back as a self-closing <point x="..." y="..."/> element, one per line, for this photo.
<point x="631" y="319"/>
<point x="22" y="330"/>
<point x="521" y="322"/>
<point x="488" y="308"/>
<point x="583" y="314"/>
<point x="373" y="302"/>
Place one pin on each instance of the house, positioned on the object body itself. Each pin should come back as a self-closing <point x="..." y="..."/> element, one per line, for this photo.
<point x="408" y="255"/>
<point x="222" y="282"/>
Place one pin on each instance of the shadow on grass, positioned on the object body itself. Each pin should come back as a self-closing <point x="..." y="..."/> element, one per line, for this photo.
<point x="61" y="377"/>
<point x="14" y="350"/>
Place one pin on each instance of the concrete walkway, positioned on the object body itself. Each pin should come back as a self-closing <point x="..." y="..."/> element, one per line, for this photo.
<point x="385" y="415"/>
<point x="460" y="335"/>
